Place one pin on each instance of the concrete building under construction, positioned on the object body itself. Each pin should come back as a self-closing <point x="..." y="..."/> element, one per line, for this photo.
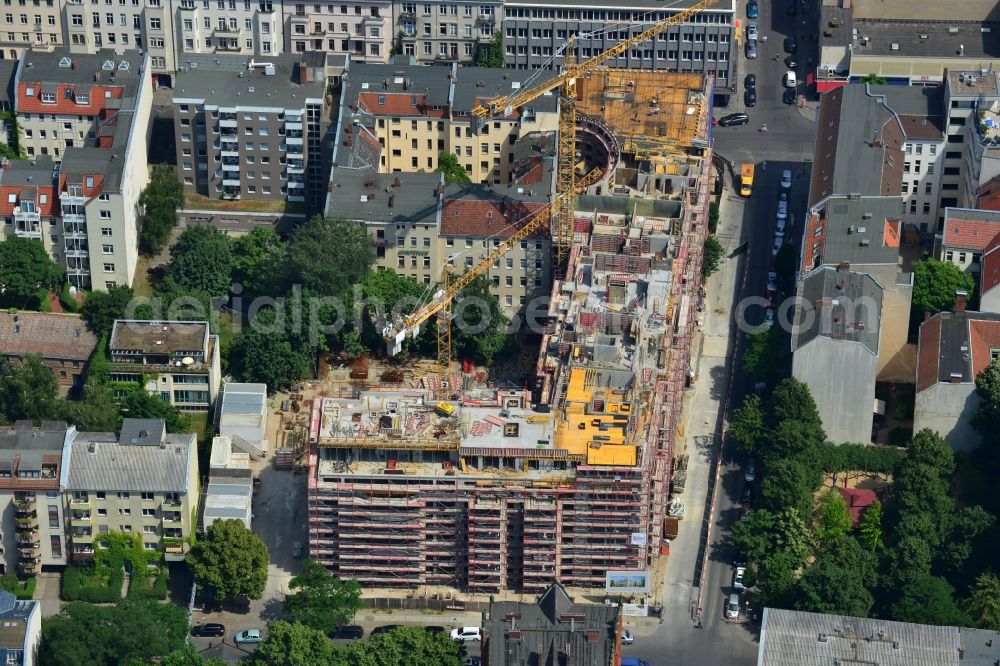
<point x="443" y="482"/>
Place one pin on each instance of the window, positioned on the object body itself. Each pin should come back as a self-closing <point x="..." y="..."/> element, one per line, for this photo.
<point x="102" y="512"/>
<point x="125" y="512"/>
<point x="55" y="543"/>
<point x="148" y="497"/>
<point x="105" y="231"/>
<point x="154" y="23"/>
<point x="101" y="495"/>
<point x="53" y="516"/>
<point x="109" y="268"/>
<point x="149" y="529"/>
<point x="123" y="494"/>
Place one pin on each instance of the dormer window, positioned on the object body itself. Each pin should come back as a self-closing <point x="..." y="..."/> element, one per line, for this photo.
<point x="108" y="65"/>
<point x="83" y="99"/>
<point x="28" y="206"/>
<point x="123" y="66"/>
<point x="29" y="91"/>
<point x="48" y="98"/>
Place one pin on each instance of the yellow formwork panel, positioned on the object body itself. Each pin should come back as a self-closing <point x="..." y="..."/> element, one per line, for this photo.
<point x="611" y="455"/>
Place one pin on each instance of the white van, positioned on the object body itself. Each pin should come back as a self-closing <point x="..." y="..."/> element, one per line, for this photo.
<point x="790" y="81"/>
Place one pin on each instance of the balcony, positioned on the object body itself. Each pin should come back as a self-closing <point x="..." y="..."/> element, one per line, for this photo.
<point x="83" y="520"/>
<point x="24" y="506"/>
<point x="296" y="166"/>
<point x="32" y="231"/>
<point x="373" y="20"/>
<point x="77" y="270"/>
<point x="230" y="153"/>
<point x="22" y="215"/>
<point x="83" y="554"/>
<point x="232" y="46"/>
<point x="230" y="182"/>
<point x="29" y="567"/>
<point x="407" y="16"/>
<point x="29" y="550"/>
<point x="83" y="537"/>
<point x="228" y="121"/>
<point x="174" y="551"/>
<point x="79" y="504"/>
<point x="231" y="139"/>
<point x="294" y="124"/>
<point x="77" y="253"/>
<point x="231" y="194"/>
<point x="226" y="32"/>
<point x="296" y="185"/>
<point x="73" y="232"/>
<point x="27" y="523"/>
<point x="296" y="198"/>
<point x="485" y="20"/>
<point x="72" y="197"/>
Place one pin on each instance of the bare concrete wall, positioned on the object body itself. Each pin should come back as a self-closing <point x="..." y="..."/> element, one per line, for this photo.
<point x="841" y="378"/>
<point x="948" y="408"/>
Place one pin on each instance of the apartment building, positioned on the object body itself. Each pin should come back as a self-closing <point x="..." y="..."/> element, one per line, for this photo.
<point x="139" y="25"/>
<point x="535" y="34"/>
<point x="249" y="130"/>
<point x="244" y="27"/>
<point x="177" y="360"/>
<point x="141" y="480"/>
<point x="363" y="30"/>
<point x="35" y="24"/>
<point x="436" y="31"/>
<point x="60" y="339"/>
<point x="29" y="201"/>
<point x="32" y="515"/>
<point x="22" y="634"/>
<point x="400" y="117"/>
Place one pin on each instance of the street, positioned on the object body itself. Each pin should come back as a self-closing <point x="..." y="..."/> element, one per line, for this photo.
<point x="788" y="144"/>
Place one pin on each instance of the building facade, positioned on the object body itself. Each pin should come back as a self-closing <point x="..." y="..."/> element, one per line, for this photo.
<point x="361" y="30"/>
<point x="22" y="635"/>
<point x="535" y="34"/>
<point x="27" y="25"/>
<point x="253" y="131"/>
<point x="61" y="340"/>
<point x="437" y="31"/>
<point x="243" y="27"/>
<point x="142" y="481"/>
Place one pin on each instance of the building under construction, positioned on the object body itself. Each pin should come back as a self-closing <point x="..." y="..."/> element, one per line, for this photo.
<point x="491" y="490"/>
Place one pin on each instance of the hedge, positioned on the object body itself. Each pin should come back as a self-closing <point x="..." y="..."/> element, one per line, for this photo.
<point x="21" y="589"/>
<point x="857" y="457"/>
<point x="138" y="588"/>
<point x="77" y="585"/>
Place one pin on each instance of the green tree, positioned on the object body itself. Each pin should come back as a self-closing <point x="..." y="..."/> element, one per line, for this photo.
<point x="405" y="646"/>
<point x="321" y="600"/>
<point x="138" y="403"/>
<point x="28" y="390"/>
<point x="747" y="428"/>
<point x="452" y="170"/>
<point x="202" y="261"/>
<point x="833" y="518"/>
<point x="874" y="79"/>
<point x="186" y="656"/>
<point x="479" y="326"/>
<point x="269" y="358"/>
<point x="764" y="354"/>
<point x="158" y="204"/>
<point x="101" y="308"/>
<point x="840" y="581"/>
<point x="870" y="527"/>
<point x="934" y="286"/>
<point x="712" y="257"/>
<point x="294" y="645"/>
<point x="958" y="544"/>
<point x="229" y="561"/>
<point x="987" y="414"/>
<point x="984" y="601"/>
<point x="96" y="409"/>
<point x="387" y="294"/>
<point x="765" y="533"/>
<point x="928" y="447"/>
<point x="327" y="255"/>
<point x="788" y="483"/>
<point x="25" y="268"/>
<point x="490" y="54"/>
<point x="257" y="261"/>
<point x="785" y="263"/>
<point x="89" y="635"/>
<point x="713" y="217"/>
<point x="929" y="600"/>
<point x="792" y="401"/>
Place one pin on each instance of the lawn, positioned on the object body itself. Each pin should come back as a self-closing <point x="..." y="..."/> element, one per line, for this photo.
<point x="199" y="202"/>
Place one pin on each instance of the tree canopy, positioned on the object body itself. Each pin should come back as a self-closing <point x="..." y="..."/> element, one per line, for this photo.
<point x="25" y="268"/>
<point x="202" y="261"/>
<point x="747" y="428"/>
<point x="764" y="354"/>
<point x="987" y="414"/>
<point x="256" y="356"/>
<point x="453" y="171"/>
<point x="84" y="634"/>
<point x="479" y="326"/>
<point x="327" y="255"/>
<point x="711" y="257"/>
<point x="257" y="261"/>
<point x="137" y="403"/>
<point x="833" y="518"/>
<point x="490" y="54"/>
<point x="229" y="561"/>
<point x="159" y="202"/>
<point x="28" y="390"/>
<point x="984" y="601"/>
<point x="101" y="308"/>
<point x="929" y="599"/>
<point x="934" y="286"/>
<point x="840" y="581"/>
<point x="321" y="600"/>
<point x="288" y="644"/>
<point x="405" y="646"/>
<point x="186" y="656"/>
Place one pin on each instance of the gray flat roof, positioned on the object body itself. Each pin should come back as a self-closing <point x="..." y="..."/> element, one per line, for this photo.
<point x="226" y="80"/>
<point x="49" y="438"/>
<point x="954" y="12"/>
<point x="434" y="82"/>
<point x="114" y="466"/>
<point x="84" y="69"/>
<point x="937" y="38"/>
<point x="859" y="164"/>
<point x="244" y="399"/>
<point x="413" y="201"/>
<point x="722" y="6"/>
<point x="847" y="306"/>
<point x="475" y="83"/>
<point x="856" y="233"/>
<point x="795" y="638"/>
<point x="36" y="171"/>
<point x="838" y="21"/>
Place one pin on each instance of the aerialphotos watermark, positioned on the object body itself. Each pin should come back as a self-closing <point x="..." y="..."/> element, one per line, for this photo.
<point x="315" y="316"/>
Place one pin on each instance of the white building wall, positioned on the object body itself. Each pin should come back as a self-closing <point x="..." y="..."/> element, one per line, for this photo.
<point x="948" y="409"/>
<point x="922" y="170"/>
<point x="841" y="377"/>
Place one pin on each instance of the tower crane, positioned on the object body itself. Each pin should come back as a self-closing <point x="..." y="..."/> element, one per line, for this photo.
<point x="440" y="303"/>
<point x="562" y="235"/>
<point x="560" y="209"/>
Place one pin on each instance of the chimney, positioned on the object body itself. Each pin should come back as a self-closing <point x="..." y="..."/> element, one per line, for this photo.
<point x="955" y="378"/>
<point x="843" y="267"/>
<point x="960" y="297"/>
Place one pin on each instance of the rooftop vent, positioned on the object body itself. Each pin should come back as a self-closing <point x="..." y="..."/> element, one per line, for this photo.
<point x="953" y="30"/>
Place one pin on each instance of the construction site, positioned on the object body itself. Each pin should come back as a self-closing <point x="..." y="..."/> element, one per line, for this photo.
<point x="440" y="481"/>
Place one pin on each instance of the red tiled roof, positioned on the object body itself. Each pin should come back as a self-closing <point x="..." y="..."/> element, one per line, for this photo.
<point x="486" y="219"/>
<point x="989" y="195"/>
<point x="969" y="234"/>
<point x="928" y="349"/>
<point x="989" y="266"/>
<point x="398" y="104"/>
<point x="33" y="103"/>
<point x="922" y="127"/>
<point x="984" y="335"/>
<point x="88" y="192"/>
<point x="47" y="335"/>
<point x="49" y="208"/>
<point x="858" y="499"/>
<point x="533" y="174"/>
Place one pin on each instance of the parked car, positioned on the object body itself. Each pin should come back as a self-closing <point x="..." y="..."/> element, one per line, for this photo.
<point x="744" y="513"/>
<point x="778" y="242"/>
<point x="783" y="209"/>
<point x="750" y="81"/>
<point x="753" y="10"/>
<point x="792" y="62"/>
<point x="734" y="119"/>
<point x="434" y="629"/>
<point x="790" y="8"/>
<point x="750" y="471"/>
<point x="297" y="549"/>
<point x="779" y="227"/>
<point x="466" y="634"/>
<point x="791" y="46"/>
<point x="772" y="282"/>
<point x="733" y="607"/>
<point x="750" y="97"/>
<point x="349" y="631"/>
<point x="385" y="629"/>
<point x="788" y="97"/>
<point x="210" y="629"/>
<point x="790" y="80"/>
<point x="752" y="34"/>
<point x="248" y="636"/>
<point x="738" y="577"/>
<point x="473" y="661"/>
<point x="627" y="638"/>
<point x="769" y="318"/>
<point x="751" y="49"/>
<point x="747" y="495"/>
<point x="786" y="179"/>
